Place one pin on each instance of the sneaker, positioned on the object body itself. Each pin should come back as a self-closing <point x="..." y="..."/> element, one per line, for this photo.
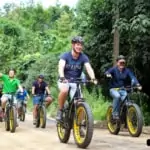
<point x="59" y="115"/>
<point x="116" y="117"/>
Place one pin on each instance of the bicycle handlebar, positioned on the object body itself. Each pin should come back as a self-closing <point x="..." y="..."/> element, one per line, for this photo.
<point x="77" y="80"/>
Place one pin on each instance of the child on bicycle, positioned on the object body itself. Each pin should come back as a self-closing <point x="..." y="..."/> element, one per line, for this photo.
<point x="22" y="97"/>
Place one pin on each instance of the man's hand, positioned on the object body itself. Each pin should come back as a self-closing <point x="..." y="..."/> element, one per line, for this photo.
<point x="63" y="80"/>
<point x="139" y="87"/>
<point x="108" y="75"/>
<point x="95" y="81"/>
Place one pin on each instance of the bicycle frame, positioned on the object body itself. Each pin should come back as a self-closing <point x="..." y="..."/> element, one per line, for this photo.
<point x="11" y="101"/>
<point x="125" y="103"/>
<point x="73" y="104"/>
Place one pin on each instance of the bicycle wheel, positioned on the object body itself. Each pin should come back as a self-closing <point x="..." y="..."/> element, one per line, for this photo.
<point x="134" y="120"/>
<point x="83" y="125"/>
<point x="22" y="116"/>
<point x="7" y="127"/>
<point x="112" y="125"/>
<point x="62" y="131"/>
<point x="43" y="117"/>
<point x="38" y="118"/>
<point x="12" y="119"/>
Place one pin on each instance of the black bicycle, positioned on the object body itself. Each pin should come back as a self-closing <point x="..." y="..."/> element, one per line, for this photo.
<point x="11" y="114"/>
<point x="130" y="115"/>
<point x="77" y="114"/>
<point x="41" y="115"/>
<point x="22" y="110"/>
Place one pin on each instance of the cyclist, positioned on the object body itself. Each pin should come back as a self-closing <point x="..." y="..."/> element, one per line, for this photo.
<point x="22" y="97"/>
<point x="120" y="77"/>
<point x="10" y="85"/>
<point x="38" y="91"/>
<point x="71" y="66"/>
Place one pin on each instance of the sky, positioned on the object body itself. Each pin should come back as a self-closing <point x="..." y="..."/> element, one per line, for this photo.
<point x="45" y="3"/>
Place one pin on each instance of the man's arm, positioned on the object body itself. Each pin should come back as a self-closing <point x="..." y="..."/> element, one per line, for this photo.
<point x="33" y="90"/>
<point x="134" y="80"/>
<point x="20" y="88"/>
<point x="89" y="70"/>
<point x="48" y="91"/>
<point x="61" y="67"/>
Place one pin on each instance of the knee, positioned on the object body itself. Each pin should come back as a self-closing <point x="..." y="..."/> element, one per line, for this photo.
<point x="117" y="96"/>
<point x="3" y="100"/>
<point x="64" y="90"/>
<point x="35" y="106"/>
<point x="49" y="99"/>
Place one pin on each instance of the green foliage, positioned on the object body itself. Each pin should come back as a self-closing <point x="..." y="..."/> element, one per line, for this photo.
<point x="98" y="26"/>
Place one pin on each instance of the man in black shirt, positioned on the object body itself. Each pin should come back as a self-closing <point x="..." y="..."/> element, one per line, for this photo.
<point x="39" y="88"/>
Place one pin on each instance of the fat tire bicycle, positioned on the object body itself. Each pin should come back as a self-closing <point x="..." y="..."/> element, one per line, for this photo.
<point x="41" y="115"/>
<point x="11" y="114"/>
<point x="77" y="115"/>
<point x="130" y="115"/>
<point x="22" y="114"/>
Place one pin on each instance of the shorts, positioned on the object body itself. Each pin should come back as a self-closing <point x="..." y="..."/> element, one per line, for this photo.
<point x="37" y="99"/>
<point x="70" y="86"/>
<point x="5" y="97"/>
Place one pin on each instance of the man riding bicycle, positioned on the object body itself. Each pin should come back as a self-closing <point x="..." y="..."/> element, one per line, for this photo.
<point x="10" y="85"/>
<point x="38" y="91"/>
<point x="71" y="66"/>
<point x="120" y="75"/>
<point x="22" y="98"/>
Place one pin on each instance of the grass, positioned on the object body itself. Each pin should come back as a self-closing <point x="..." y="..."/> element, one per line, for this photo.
<point x="98" y="104"/>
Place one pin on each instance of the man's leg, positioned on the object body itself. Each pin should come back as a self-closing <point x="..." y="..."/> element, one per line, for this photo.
<point x="48" y="101"/>
<point x="36" y="100"/>
<point x="116" y="102"/>
<point x="123" y="94"/>
<point x="3" y="104"/>
<point x="63" y="87"/>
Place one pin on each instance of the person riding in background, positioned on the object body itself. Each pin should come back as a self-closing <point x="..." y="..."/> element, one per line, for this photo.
<point x="38" y="91"/>
<point x="22" y="98"/>
<point x="120" y="77"/>
<point x="10" y="85"/>
<point x="71" y="66"/>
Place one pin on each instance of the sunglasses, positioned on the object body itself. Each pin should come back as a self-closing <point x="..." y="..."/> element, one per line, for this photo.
<point x="122" y="63"/>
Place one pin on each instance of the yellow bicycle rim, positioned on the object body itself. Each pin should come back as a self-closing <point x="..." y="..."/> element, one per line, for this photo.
<point x="41" y="117"/>
<point x="111" y="126"/>
<point x="132" y="128"/>
<point x="80" y="112"/>
<point x="61" y="131"/>
<point x="11" y="119"/>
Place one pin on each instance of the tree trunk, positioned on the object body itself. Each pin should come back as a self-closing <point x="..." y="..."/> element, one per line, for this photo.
<point x="116" y="37"/>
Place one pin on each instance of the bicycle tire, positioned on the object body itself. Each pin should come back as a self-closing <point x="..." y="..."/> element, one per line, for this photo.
<point x="12" y="119"/>
<point x="37" y="125"/>
<point x="113" y="126"/>
<point x="43" y="117"/>
<point x="7" y="127"/>
<point x="22" y="117"/>
<point x="63" y="135"/>
<point x="135" y="132"/>
<point x="83" y="142"/>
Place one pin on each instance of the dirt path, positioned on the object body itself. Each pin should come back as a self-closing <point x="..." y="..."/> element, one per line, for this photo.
<point x="27" y="137"/>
